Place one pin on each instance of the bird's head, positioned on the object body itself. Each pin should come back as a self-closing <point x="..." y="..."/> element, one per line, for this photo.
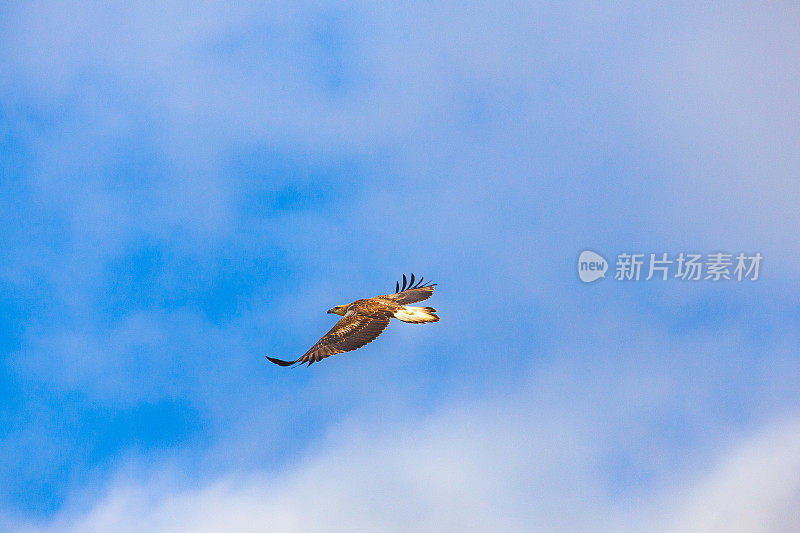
<point x="338" y="310"/>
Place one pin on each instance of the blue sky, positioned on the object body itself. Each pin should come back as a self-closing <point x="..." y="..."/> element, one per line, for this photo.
<point x="187" y="189"/>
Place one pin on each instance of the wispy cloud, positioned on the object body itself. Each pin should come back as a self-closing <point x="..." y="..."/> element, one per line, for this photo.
<point x="472" y="466"/>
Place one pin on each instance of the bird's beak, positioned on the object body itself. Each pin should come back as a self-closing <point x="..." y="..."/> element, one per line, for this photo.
<point x="330" y="311"/>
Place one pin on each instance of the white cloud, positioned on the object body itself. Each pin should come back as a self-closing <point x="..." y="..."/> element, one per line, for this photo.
<point x="464" y="468"/>
<point x="753" y="487"/>
<point x="472" y="466"/>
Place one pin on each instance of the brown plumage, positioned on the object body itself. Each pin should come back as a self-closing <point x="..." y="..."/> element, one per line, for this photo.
<point x="363" y="320"/>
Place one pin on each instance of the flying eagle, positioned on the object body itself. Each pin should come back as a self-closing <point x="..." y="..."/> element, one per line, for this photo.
<point x="363" y="320"/>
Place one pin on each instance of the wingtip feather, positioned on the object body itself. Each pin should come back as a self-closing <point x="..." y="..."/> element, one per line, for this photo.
<point x="281" y="362"/>
<point x="412" y="283"/>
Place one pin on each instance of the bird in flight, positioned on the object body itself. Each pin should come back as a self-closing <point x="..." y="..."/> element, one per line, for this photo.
<point x="363" y="320"/>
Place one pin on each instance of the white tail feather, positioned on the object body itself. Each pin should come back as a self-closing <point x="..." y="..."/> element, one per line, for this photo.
<point x="416" y="315"/>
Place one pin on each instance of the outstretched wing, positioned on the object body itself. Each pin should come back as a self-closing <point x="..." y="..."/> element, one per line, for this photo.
<point x="351" y="332"/>
<point x="410" y="293"/>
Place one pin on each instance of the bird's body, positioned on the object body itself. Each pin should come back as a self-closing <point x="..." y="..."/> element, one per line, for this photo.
<point x="363" y="320"/>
